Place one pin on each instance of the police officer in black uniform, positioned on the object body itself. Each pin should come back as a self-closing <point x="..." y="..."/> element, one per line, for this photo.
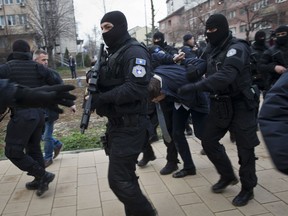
<point x="274" y="61"/>
<point x="257" y="49"/>
<point x="25" y="127"/>
<point x="233" y="104"/>
<point x="123" y="100"/>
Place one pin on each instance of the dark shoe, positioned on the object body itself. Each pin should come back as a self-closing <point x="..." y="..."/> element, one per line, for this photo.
<point x="202" y="152"/>
<point x="144" y="161"/>
<point x="57" y="151"/>
<point x="33" y="185"/>
<point x="153" y="139"/>
<point x="182" y="173"/>
<point x="48" y="162"/>
<point x="44" y="182"/>
<point x="243" y="198"/>
<point x="223" y="183"/>
<point x="232" y="137"/>
<point x="189" y="132"/>
<point x="169" y="168"/>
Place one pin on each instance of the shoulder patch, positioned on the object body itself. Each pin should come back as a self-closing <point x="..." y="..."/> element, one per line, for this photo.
<point x="138" y="71"/>
<point x="231" y="52"/>
<point x="140" y="61"/>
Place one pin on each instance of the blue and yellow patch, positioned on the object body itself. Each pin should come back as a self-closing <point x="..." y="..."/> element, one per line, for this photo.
<point x="140" y="61"/>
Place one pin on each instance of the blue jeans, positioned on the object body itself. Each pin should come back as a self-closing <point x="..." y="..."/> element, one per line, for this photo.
<point x="50" y="143"/>
<point x="180" y="117"/>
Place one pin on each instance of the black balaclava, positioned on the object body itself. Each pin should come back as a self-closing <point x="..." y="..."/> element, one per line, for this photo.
<point x="160" y="37"/>
<point x="220" y="22"/>
<point x="119" y="30"/>
<point x="284" y="39"/>
<point x="260" y="38"/>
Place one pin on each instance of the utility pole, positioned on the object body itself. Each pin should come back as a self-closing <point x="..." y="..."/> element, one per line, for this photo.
<point x="146" y="28"/>
<point x="104" y="6"/>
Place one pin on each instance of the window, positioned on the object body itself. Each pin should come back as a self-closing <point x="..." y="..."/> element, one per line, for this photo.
<point x="20" y="1"/>
<point x="233" y="30"/>
<point x="231" y="14"/>
<point x="7" y="2"/>
<point x="11" y="20"/>
<point x="2" y="21"/>
<point x="22" y="19"/>
<point x="279" y="1"/>
<point x="242" y="28"/>
<point x="260" y="4"/>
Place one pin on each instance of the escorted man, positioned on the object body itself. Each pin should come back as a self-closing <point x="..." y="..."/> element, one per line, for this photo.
<point x="232" y="106"/>
<point x="25" y="127"/>
<point x="123" y="99"/>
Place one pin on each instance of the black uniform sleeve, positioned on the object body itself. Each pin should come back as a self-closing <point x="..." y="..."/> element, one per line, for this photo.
<point x="266" y="64"/>
<point x="53" y="77"/>
<point x="236" y="60"/>
<point x="7" y="92"/>
<point x="273" y="121"/>
<point x="137" y="70"/>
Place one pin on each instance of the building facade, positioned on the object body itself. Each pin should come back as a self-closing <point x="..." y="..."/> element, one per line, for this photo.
<point x="245" y="17"/>
<point x="25" y="19"/>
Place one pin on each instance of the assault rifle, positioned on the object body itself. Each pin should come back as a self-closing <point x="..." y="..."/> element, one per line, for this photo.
<point x="92" y="88"/>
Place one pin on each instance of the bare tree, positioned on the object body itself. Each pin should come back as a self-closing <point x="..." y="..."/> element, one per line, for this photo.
<point x="252" y="17"/>
<point x="50" y="19"/>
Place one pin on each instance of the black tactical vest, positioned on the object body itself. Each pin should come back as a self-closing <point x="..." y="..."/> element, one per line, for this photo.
<point x="27" y="73"/>
<point x="214" y="63"/>
<point x="112" y="73"/>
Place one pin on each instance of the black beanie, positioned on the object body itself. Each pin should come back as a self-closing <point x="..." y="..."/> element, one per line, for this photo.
<point x="282" y="28"/>
<point x="187" y="37"/>
<point x="119" y="29"/>
<point x="20" y="46"/>
<point x="219" y="22"/>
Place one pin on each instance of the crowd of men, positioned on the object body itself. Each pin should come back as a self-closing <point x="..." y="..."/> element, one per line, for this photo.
<point x="219" y="84"/>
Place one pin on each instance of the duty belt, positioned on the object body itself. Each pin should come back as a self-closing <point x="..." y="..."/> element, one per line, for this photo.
<point x="125" y="121"/>
<point x="219" y="97"/>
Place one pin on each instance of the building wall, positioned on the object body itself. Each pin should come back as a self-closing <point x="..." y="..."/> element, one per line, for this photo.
<point x="195" y="13"/>
<point x="16" y="26"/>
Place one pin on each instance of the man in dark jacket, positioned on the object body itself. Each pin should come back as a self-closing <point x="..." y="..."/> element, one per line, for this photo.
<point x="233" y="105"/>
<point x="25" y="127"/>
<point x="123" y="100"/>
<point x="273" y="121"/>
<point x="164" y="86"/>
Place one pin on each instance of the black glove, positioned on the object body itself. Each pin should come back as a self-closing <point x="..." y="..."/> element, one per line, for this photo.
<point x="46" y="96"/>
<point x="187" y="89"/>
<point x="193" y="73"/>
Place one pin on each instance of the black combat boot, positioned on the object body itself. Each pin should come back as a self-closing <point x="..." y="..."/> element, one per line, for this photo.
<point x="223" y="183"/>
<point x="44" y="182"/>
<point x="144" y="161"/>
<point x="33" y="185"/>
<point x="169" y="168"/>
<point x="243" y="197"/>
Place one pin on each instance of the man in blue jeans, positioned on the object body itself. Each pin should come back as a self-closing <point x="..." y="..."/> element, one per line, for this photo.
<point x="50" y="143"/>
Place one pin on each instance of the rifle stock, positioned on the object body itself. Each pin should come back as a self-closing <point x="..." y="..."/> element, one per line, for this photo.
<point x="92" y="88"/>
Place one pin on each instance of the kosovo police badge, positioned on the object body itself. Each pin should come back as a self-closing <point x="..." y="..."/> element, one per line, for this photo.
<point x="139" y="71"/>
<point x="231" y="52"/>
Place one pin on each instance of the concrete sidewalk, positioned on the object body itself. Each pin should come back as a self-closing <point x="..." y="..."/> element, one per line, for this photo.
<point x="81" y="188"/>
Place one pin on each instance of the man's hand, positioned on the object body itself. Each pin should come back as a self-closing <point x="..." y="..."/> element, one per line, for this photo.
<point x="187" y="89"/>
<point x="46" y="96"/>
